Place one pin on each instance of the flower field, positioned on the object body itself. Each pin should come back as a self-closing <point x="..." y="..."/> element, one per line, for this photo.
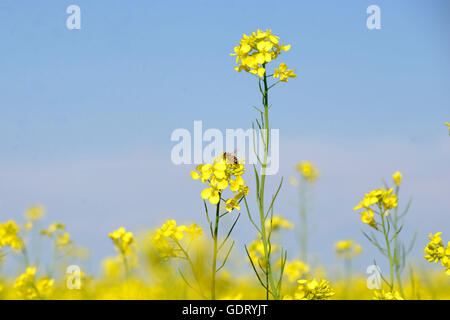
<point x="187" y="261"/>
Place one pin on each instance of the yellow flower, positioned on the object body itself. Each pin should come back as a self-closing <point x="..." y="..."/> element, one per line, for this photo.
<point x="347" y="249"/>
<point x="313" y="290"/>
<point x="236" y="184"/>
<point x="9" y="236"/>
<point x="220" y="175"/>
<point x="232" y="204"/>
<point x="283" y="73"/>
<point x="381" y="197"/>
<point x="367" y="217"/>
<point x="434" y="250"/>
<point x="258" y="49"/>
<point x="389" y="295"/>
<point x="122" y="239"/>
<point x="212" y="194"/>
<point x="35" y="213"/>
<point x="62" y="240"/>
<point x="112" y="267"/>
<point x="54" y="227"/>
<point x="448" y="125"/>
<point x="295" y="269"/>
<point x="397" y="177"/>
<point x="166" y="239"/>
<point x="308" y="170"/>
<point x="171" y="230"/>
<point x="279" y="222"/>
<point x="194" y="231"/>
<point x="27" y="287"/>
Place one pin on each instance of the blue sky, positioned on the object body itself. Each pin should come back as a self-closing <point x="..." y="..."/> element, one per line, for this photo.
<point x="86" y="115"/>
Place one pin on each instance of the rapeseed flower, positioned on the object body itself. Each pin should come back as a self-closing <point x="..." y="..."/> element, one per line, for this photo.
<point x="35" y="213"/>
<point x="277" y="222"/>
<point x="9" y="236"/>
<point x="380" y="198"/>
<point x="220" y="175"/>
<point x="397" y="177"/>
<point x="27" y="287"/>
<point x="313" y="290"/>
<point x="387" y="295"/>
<point x="122" y="239"/>
<point x="308" y="170"/>
<point x="435" y="251"/>
<point x="258" y="49"/>
<point x="347" y="249"/>
<point x="295" y="269"/>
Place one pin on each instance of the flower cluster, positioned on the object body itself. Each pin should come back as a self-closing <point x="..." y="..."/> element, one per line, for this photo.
<point x="448" y="125"/>
<point x="258" y="49"/>
<point x="166" y="239"/>
<point x="436" y="251"/>
<point x="382" y="198"/>
<point x="295" y="269"/>
<point x="308" y="170"/>
<point x="28" y="288"/>
<point x="122" y="239"/>
<point x="9" y="236"/>
<point x="57" y="230"/>
<point x="387" y="295"/>
<point x="312" y="290"/>
<point x="220" y="175"/>
<point x="347" y="249"/>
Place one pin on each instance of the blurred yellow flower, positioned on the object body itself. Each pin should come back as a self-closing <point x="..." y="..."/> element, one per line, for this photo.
<point x="347" y="249"/>
<point x="63" y="240"/>
<point x="397" y="177"/>
<point x="122" y="239"/>
<point x="308" y="170"/>
<point x="389" y="295"/>
<point x="35" y="213"/>
<point x="54" y="227"/>
<point x="278" y="222"/>
<point x="295" y="269"/>
<point x="293" y="182"/>
<point x="9" y="236"/>
<point x="27" y="287"/>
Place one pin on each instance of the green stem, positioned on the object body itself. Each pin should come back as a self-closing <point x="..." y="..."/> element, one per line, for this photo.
<point x="388" y="247"/>
<point x="303" y="223"/>
<point x="191" y="264"/>
<point x="125" y="263"/>
<point x="25" y="255"/>
<point x="396" y="249"/>
<point x="214" y="264"/>
<point x="270" y="284"/>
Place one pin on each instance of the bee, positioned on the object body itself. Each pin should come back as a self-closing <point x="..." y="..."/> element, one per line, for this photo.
<point x="230" y="158"/>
